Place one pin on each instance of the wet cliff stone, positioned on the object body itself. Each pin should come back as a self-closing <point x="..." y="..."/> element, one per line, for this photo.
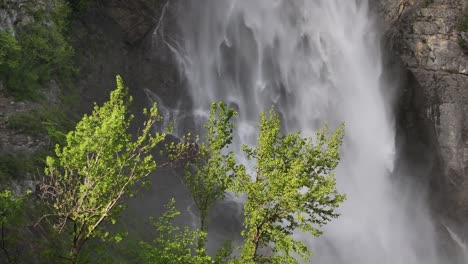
<point x="132" y="38"/>
<point x="426" y="38"/>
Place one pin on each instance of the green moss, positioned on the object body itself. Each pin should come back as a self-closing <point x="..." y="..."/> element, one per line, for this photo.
<point x="463" y="25"/>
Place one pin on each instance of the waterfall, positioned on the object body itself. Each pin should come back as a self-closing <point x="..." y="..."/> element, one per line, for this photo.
<point x="316" y="61"/>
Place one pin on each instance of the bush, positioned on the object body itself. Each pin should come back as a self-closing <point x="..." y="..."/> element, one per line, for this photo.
<point x="41" y="52"/>
<point x="28" y="123"/>
<point x="79" y="6"/>
<point x="45" y="54"/>
<point x="16" y="166"/>
<point x="10" y="52"/>
<point x="53" y="122"/>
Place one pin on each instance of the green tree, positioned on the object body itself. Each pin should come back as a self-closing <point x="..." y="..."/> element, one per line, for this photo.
<point x="10" y="52"/>
<point x="99" y="167"/>
<point x="173" y="245"/>
<point x="292" y="188"/>
<point x="211" y="168"/>
<point x="39" y="51"/>
<point x="45" y="55"/>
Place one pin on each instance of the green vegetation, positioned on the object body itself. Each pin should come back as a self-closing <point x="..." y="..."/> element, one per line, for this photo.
<point x="98" y="168"/>
<point x="46" y="55"/>
<point x="11" y="213"/>
<point x="209" y="172"/>
<point x="10" y="52"/>
<point x="39" y="53"/>
<point x="16" y="166"/>
<point x="293" y="188"/>
<point x="53" y="122"/>
<point x="99" y="165"/>
<point x="45" y="122"/>
<point x="79" y="6"/>
<point x="463" y="27"/>
<point x="173" y="245"/>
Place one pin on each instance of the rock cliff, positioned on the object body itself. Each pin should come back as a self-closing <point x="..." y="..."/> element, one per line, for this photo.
<point x="425" y="39"/>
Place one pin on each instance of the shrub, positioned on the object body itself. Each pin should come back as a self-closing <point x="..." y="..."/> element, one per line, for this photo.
<point x="16" y="166"/>
<point x="53" y="122"/>
<point x="10" y="52"/>
<point x="79" y="6"/>
<point x="45" y="54"/>
<point x="40" y="52"/>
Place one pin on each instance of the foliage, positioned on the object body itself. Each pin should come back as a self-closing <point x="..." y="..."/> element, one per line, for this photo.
<point x="10" y="52"/>
<point x="79" y="6"/>
<point x="99" y="165"/>
<point x="463" y="28"/>
<point x="210" y="171"/>
<point x="292" y="188"/>
<point x="98" y="168"/>
<point x="17" y="165"/>
<point x="45" y="54"/>
<point x="61" y="14"/>
<point x="54" y="122"/>
<point x="463" y="24"/>
<point x="11" y="213"/>
<point x="173" y="245"/>
<point x="41" y="52"/>
<point x="28" y="123"/>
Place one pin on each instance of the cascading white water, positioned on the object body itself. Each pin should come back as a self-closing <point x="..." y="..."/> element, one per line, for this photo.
<point x="317" y="61"/>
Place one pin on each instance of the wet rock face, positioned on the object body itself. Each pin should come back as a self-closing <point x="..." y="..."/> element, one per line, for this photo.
<point x="136" y="18"/>
<point x="425" y="36"/>
<point x="131" y="38"/>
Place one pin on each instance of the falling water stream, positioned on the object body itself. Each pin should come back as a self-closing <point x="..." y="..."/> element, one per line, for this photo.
<point x="316" y="61"/>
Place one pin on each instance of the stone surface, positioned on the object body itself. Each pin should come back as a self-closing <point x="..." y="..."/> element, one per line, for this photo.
<point x="132" y="38"/>
<point x="434" y="102"/>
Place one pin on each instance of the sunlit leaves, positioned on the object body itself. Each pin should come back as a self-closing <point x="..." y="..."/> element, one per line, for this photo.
<point x="210" y="168"/>
<point x="98" y="168"/>
<point x="174" y="245"/>
<point x="293" y="188"/>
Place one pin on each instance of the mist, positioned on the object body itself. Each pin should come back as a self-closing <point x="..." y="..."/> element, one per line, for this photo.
<point x="317" y="62"/>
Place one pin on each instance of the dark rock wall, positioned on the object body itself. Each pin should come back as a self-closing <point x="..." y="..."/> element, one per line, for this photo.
<point x="423" y="37"/>
<point x="131" y="38"/>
